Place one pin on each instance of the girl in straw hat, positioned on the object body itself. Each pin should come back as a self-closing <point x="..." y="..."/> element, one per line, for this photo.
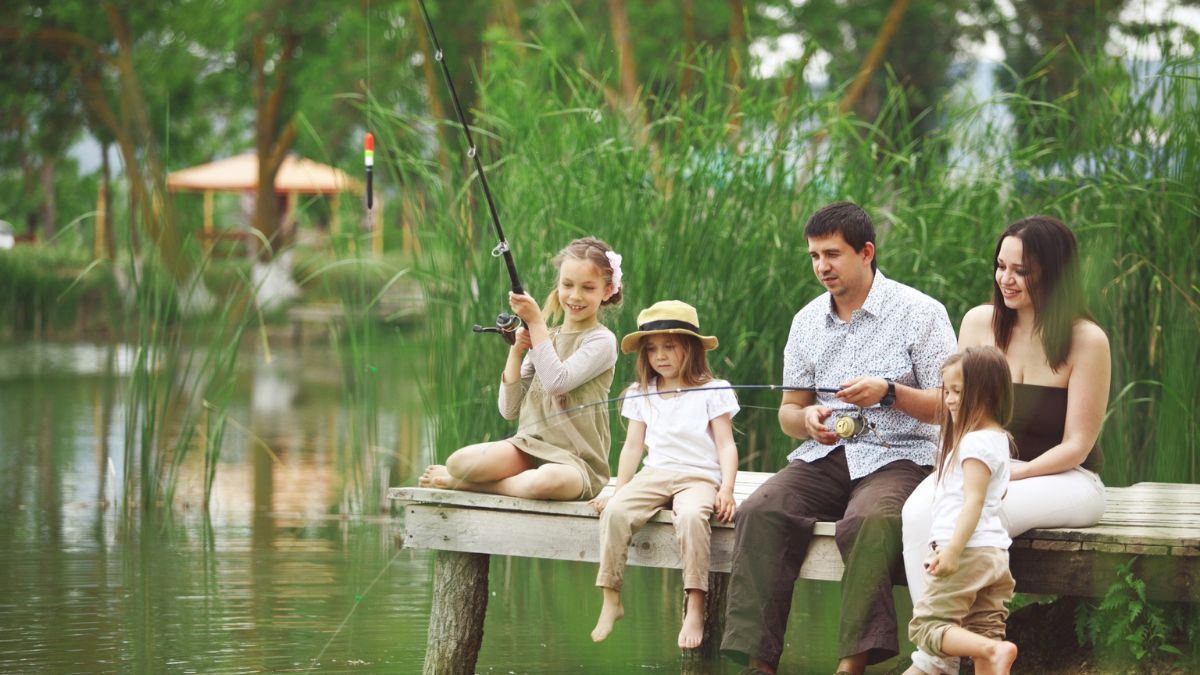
<point x="692" y="460"/>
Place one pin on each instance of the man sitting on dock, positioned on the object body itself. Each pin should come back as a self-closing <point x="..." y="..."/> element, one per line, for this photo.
<point x="881" y="344"/>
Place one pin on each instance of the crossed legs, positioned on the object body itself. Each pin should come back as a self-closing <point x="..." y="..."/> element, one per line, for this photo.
<point x="499" y="467"/>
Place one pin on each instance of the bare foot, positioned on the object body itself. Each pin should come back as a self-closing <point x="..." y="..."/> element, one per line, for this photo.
<point x="692" y="633"/>
<point x="1002" y="657"/>
<point x="436" y="476"/>
<point x="610" y="613"/>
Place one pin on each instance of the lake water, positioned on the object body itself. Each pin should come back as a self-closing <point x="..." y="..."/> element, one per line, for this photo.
<point x="283" y="573"/>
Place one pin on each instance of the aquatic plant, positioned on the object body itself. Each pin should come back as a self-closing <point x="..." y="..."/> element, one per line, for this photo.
<point x="707" y="202"/>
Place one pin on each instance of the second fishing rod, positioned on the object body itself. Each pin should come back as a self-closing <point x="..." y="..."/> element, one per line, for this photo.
<point x="506" y="324"/>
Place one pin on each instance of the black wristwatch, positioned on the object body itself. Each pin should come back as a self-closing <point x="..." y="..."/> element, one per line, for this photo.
<point x="889" y="399"/>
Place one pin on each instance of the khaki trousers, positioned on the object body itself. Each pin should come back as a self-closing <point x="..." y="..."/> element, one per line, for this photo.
<point x="691" y="499"/>
<point x="972" y="597"/>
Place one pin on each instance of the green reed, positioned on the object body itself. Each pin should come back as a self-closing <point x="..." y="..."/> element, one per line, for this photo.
<point x="708" y="206"/>
<point x="181" y="379"/>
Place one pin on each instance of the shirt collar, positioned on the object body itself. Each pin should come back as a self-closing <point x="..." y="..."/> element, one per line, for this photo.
<point x="877" y="297"/>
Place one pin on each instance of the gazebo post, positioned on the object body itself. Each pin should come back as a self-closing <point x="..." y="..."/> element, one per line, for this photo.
<point x="208" y="220"/>
<point x="335" y="219"/>
<point x="377" y="229"/>
<point x="101" y="224"/>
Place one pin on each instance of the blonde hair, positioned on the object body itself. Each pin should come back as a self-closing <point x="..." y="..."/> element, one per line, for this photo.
<point x="694" y="370"/>
<point x="594" y="251"/>
<point x="987" y="395"/>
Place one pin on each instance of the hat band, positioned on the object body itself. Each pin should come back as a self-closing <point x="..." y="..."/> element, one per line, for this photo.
<point x="667" y="324"/>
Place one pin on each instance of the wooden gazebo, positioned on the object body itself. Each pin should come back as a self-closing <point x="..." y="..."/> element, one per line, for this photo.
<point x="296" y="176"/>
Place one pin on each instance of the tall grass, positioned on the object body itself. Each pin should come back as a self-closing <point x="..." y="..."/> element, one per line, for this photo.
<point x="180" y="384"/>
<point x="707" y="205"/>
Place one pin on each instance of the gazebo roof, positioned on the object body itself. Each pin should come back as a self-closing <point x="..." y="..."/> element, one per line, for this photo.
<point x="240" y="173"/>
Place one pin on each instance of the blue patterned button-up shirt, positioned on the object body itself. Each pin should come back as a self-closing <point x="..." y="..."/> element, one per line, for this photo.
<point x="900" y="334"/>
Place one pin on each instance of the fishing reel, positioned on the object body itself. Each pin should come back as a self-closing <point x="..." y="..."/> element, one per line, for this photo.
<point x="856" y="424"/>
<point x="506" y="325"/>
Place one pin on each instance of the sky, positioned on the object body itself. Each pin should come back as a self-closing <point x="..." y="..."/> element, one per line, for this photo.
<point x="771" y="55"/>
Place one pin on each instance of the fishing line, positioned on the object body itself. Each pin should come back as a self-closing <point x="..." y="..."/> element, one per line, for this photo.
<point x="358" y="598"/>
<point x="850" y="421"/>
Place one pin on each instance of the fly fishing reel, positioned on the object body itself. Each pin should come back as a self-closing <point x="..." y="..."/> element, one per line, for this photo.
<point x="506" y="325"/>
<point x="856" y="424"/>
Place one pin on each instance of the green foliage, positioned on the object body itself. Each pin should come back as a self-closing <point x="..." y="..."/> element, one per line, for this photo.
<point x="1126" y="626"/>
<point x="42" y="288"/>
<point x="707" y="205"/>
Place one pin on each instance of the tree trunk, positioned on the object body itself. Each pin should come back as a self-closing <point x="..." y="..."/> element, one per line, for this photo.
<point x="460" y="595"/>
<point x="871" y="63"/>
<point x="618" y="16"/>
<point x="273" y="136"/>
<point x="109" y="242"/>
<point x="432" y="88"/>
<point x="48" y="212"/>
<point x="689" y="47"/>
<point x="737" y="54"/>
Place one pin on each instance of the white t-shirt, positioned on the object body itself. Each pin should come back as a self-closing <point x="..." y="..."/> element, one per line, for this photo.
<point x="678" y="437"/>
<point x="991" y="448"/>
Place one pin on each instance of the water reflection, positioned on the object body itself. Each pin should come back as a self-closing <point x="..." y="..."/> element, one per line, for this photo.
<point x="277" y="575"/>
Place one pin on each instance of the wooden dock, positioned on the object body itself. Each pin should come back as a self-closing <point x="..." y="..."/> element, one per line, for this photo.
<point x="1156" y="523"/>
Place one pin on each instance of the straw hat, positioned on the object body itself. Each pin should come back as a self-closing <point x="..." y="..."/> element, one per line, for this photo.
<point x="667" y="316"/>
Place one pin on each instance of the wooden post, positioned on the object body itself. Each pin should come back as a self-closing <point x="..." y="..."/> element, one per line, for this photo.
<point x="208" y="220"/>
<point x="377" y="229"/>
<point x="99" y="249"/>
<point x="335" y="215"/>
<point x="460" y="585"/>
<point x="700" y="660"/>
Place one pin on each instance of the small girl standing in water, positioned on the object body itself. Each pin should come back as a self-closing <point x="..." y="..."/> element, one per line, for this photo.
<point x="691" y="465"/>
<point x="565" y="458"/>
<point x="963" y="610"/>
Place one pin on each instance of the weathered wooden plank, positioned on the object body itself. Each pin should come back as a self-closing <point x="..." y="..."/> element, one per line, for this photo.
<point x="539" y="535"/>
<point x="1090" y="573"/>
<point x="476" y="500"/>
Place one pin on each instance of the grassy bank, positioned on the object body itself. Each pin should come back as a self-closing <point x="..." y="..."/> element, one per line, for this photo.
<point x="707" y="199"/>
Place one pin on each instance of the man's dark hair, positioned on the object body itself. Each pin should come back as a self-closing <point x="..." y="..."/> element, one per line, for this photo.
<point x="847" y="219"/>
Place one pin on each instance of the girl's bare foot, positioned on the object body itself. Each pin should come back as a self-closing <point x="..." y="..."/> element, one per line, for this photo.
<point x="692" y="633"/>
<point x="610" y="612"/>
<point x="436" y="476"/>
<point x="1002" y="657"/>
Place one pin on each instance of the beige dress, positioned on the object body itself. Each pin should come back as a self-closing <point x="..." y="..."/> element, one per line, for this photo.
<point x="570" y="369"/>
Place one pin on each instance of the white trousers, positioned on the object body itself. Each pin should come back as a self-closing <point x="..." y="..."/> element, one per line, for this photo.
<point x="1073" y="498"/>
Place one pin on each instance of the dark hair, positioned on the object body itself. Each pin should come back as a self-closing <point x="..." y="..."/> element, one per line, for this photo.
<point x="987" y="390"/>
<point x="845" y="218"/>
<point x="594" y="251"/>
<point x="1050" y="256"/>
<point x="693" y="370"/>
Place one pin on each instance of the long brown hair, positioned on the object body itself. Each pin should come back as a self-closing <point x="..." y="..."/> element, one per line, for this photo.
<point x="1050" y="256"/>
<point x="585" y="248"/>
<point x="694" y="370"/>
<point x="987" y="392"/>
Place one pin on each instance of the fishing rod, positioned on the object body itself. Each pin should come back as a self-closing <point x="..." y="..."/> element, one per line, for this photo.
<point x="506" y="324"/>
<point x="847" y="426"/>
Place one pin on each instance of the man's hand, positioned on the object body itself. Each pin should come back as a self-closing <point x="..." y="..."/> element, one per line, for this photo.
<point x="814" y="424"/>
<point x="863" y="391"/>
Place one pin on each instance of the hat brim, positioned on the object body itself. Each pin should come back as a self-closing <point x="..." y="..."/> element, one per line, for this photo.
<point x="629" y="343"/>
